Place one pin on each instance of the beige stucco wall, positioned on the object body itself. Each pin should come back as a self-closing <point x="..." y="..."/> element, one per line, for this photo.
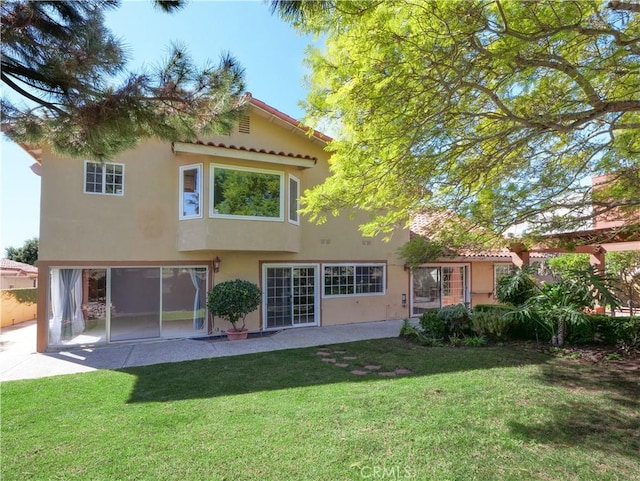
<point x="142" y="227"/>
<point x="13" y="312"/>
<point x="10" y="281"/>
<point x="482" y="283"/>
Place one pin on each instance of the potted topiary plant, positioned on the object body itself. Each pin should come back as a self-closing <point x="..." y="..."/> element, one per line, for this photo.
<point x="232" y="301"/>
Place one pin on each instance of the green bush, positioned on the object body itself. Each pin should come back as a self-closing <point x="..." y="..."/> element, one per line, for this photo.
<point x="27" y="295"/>
<point x="233" y="300"/>
<point x="432" y="325"/>
<point x="517" y="287"/>
<point x="494" y="324"/>
<point x="409" y="331"/>
<point x="456" y="318"/>
<point x="474" y="341"/>
<point x="607" y="329"/>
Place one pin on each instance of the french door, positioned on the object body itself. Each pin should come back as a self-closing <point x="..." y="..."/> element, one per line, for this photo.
<point x="290" y="297"/>
<point x="436" y="286"/>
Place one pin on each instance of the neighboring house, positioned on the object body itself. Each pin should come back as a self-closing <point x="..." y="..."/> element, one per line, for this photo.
<point x="18" y="283"/>
<point x="129" y="248"/>
<point x="17" y="275"/>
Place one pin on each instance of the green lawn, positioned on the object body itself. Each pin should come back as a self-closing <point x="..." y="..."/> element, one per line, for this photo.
<point x="461" y="414"/>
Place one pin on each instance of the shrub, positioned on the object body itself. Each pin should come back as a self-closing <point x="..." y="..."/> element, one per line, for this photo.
<point x="607" y="329"/>
<point x="517" y="287"/>
<point x="474" y="341"/>
<point x="493" y="324"/>
<point x="233" y="300"/>
<point x="409" y="331"/>
<point x="456" y="318"/>
<point x="432" y="324"/>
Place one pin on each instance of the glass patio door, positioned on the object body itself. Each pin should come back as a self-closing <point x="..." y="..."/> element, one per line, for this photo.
<point x="291" y="297"/>
<point x="433" y="287"/>
<point x="135" y="303"/>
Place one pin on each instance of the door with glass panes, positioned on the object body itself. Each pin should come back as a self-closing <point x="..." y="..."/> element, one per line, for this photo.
<point x="433" y="287"/>
<point x="290" y="297"/>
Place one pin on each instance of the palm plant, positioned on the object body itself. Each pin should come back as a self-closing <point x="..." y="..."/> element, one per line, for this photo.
<point x="564" y="303"/>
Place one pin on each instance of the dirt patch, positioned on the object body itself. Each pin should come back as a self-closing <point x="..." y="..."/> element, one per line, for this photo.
<point x="621" y="357"/>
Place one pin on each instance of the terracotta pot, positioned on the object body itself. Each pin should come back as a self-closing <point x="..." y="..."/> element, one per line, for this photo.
<point x="237" y="335"/>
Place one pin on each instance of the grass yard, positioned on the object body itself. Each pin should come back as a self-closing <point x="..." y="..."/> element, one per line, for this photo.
<point x="460" y="414"/>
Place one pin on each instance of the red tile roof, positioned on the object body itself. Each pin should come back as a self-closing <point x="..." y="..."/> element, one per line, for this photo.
<point x="260" y="151"/>
<point x="9" y="265"/>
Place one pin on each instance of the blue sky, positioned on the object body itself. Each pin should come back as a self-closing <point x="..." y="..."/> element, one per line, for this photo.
<point x="270" y="51"/>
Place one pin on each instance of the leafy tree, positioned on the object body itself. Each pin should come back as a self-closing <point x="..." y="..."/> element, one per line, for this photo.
<point x="494" y="110"/>
<point x="237" y="192"/>
<point x="420" y="251"/>
<point x="27" y="254"/>
<point x="564" y="264"/>
<point x="69" y="71"/>
<point x="626" y="267"/>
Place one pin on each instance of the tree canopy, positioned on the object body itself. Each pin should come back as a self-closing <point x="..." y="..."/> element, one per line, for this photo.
<point x="498" y="111"/>
<point x="27" y="254"/>
<point x="69" y="73"/>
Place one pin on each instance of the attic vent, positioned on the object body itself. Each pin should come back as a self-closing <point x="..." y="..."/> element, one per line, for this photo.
<point x="244" y="127"/>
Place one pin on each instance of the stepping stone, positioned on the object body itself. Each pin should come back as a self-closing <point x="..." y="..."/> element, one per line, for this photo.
<point x="371" y="367"/>
<point x="339" y="352"/>
<point x="358" y="372"/>
<point x="402" y="370"/>
<point x="323" y="353"/>
<point x="328" y="359"/>
<point x="350" y="358"/>
<point x="388" y="373"/>
<point x="342" y="364"/>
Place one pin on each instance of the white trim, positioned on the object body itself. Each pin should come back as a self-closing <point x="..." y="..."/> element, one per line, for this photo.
<point x="199" y="169"/>
<point x="200" y="149"/>
<point x="295" y="221"/>
<point x="213" y="214"/>
<point x="355" y="265"/>
<point x="467" y="283"/>
<point x="316" y="297"/>
<point x="103" y="165"/>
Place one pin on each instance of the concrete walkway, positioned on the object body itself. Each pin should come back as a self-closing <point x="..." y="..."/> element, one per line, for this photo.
<point x="18" y="359"/>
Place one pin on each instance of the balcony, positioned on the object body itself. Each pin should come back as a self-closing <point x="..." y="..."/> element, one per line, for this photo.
<point x="237" y="235"/>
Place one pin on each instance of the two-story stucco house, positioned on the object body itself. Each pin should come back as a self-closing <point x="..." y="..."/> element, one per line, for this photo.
<point x="129" y="248"/>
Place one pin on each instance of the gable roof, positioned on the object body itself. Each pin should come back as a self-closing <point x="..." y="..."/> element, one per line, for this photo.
<point x="18" y="268"/>
<point x="259" y="107"/>
<point x="264" y="109"/>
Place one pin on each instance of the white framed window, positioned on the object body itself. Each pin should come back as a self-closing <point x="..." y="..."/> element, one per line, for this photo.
<point x="103" y="178"/>
<point x="354" y="279"/>
<point x="294" y="196"/>
<point x="246" y="193"/>
<point x="500" y="271"/>
<point x="191" y="191"/>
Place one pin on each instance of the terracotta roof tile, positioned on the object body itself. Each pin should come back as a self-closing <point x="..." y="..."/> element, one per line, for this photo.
<point x="9" y="265"/>
<point x="258" y="151"/>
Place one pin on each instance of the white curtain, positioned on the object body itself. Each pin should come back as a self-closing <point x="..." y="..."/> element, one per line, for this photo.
<point x="66" y="305"/>
<point x="198" y="317"/>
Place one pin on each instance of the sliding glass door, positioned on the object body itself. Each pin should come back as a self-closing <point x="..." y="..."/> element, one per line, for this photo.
<point x="90" y="306"/>
<point x="291" y="297"/>
<point x="135" y="303"/>
<point x="436" y="286"/>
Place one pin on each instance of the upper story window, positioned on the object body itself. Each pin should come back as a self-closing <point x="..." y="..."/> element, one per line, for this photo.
<point x="240" y="192"/>
<point x="354" y="279"/>
<point x="294" y="195"/>
<point x="103" y="178"/>
<point x="191" y="191"/>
